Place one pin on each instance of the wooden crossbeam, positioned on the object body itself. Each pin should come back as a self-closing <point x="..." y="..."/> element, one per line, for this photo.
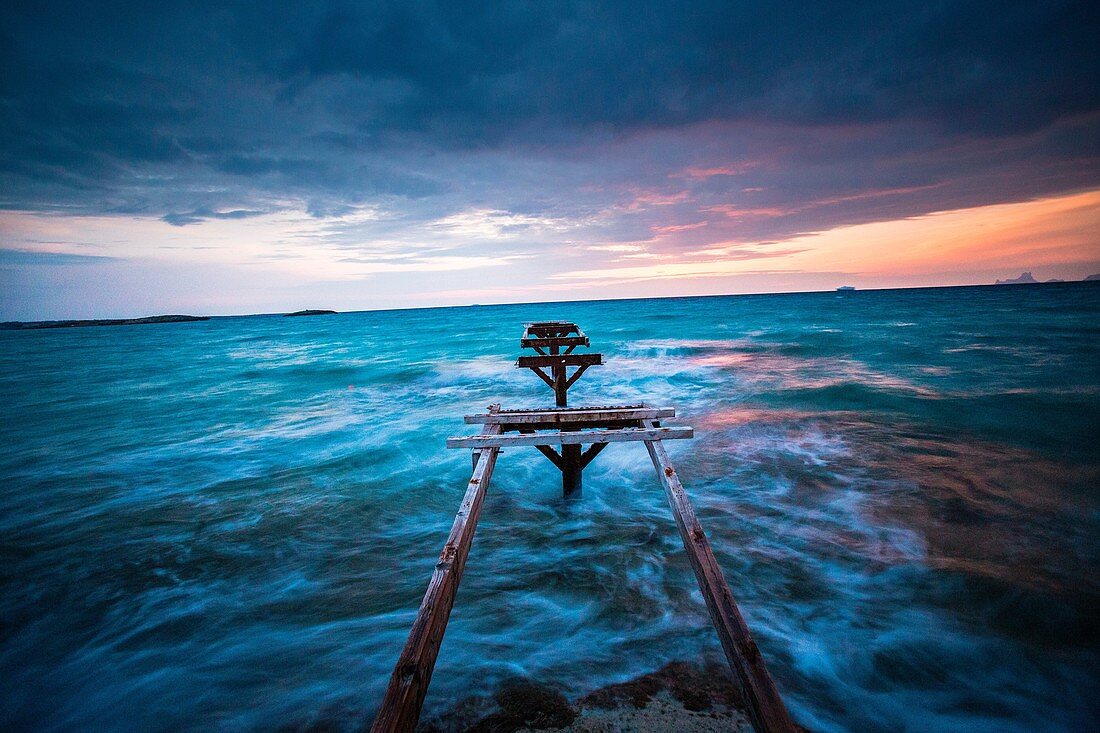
<point x="632" y="406"/>
<point x="570" y="415"/>
<point x="620" y="435"/>
<point x="567" y="360"/>
<point x="766" y="709"/>
<point x="547" y="341"/>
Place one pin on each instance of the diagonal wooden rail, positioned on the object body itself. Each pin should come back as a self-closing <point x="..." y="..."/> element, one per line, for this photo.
<point x="762" y="701"/>
<point x="413" y="672"/>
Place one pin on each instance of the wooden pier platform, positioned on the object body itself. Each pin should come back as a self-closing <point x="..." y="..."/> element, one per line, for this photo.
<point x="569" y="429"/>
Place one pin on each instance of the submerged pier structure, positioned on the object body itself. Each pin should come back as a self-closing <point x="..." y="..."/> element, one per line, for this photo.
<point x="568" y="430"/>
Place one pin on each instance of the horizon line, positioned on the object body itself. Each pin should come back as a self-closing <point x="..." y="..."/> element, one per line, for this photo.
<point x="555" y="302"/>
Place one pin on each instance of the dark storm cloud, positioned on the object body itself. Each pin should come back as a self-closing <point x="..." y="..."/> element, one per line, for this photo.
<point x="180" y="219"/>
<point x="184" y="112"/>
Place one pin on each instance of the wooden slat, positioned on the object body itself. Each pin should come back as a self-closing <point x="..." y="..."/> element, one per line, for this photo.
<point x="568" y="360"/>
<point x="572" y="415"/>
<point x="765" y="707"/>
<point x="619" y="435"/>
<point x="413" y="672"/>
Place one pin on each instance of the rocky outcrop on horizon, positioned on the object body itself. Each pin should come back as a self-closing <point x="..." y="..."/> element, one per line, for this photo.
<point x="20" y="325"/>
<point x="1027" y="278"/>
<point x="1024" y="279"/>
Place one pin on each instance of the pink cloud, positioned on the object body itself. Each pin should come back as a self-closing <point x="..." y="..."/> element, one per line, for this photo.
<point x="644" y="199"/>
<point x="701" y="173"/>
<point x="736" y="212"/>
<point x="673" y="228"/>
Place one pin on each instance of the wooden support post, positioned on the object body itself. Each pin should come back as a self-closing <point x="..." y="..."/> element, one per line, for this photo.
<point x="409" y="683"/>
<point x="572" y="470"/>
<point x="766" y="709"/>
<point x="561" y="386"/>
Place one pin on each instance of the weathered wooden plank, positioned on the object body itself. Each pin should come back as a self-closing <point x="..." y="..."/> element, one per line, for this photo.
<point x="765" y="707"/>
<point x="400" y="708"/>
<point x="588" y="425"/>
<point x="638" y="406"/>
<point x="619" y="435"/>
<point x="542" y="342"/>
<point x="572" y="415"/>
<point x="531" y="362"/>
<point x="550" y="329"/>
<point x="548" y="324"/>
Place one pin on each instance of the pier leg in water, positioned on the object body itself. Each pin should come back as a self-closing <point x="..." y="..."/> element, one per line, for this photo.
<point x="400" y="708"/>
<point x="766" y="709"/>
<point x="571" y="470"/>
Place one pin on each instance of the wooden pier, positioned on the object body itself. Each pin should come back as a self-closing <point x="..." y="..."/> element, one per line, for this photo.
<point x="570" y="429"/>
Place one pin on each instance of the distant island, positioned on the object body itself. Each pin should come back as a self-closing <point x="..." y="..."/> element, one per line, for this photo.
<point x="24" y="325"/>
<point x="1026" y="278"/>
<point x="308" y="313"/>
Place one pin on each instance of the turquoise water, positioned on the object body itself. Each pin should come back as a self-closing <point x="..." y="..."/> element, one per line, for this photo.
<point x="229" y="525"/>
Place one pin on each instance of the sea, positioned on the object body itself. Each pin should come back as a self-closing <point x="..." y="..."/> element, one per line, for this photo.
<point x="229" y="525"/>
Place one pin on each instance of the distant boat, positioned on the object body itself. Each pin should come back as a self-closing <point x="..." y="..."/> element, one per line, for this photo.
<point x="845" y="289"/>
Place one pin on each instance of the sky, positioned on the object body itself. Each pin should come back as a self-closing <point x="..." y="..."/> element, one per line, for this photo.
<point x="218" y="158"/>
